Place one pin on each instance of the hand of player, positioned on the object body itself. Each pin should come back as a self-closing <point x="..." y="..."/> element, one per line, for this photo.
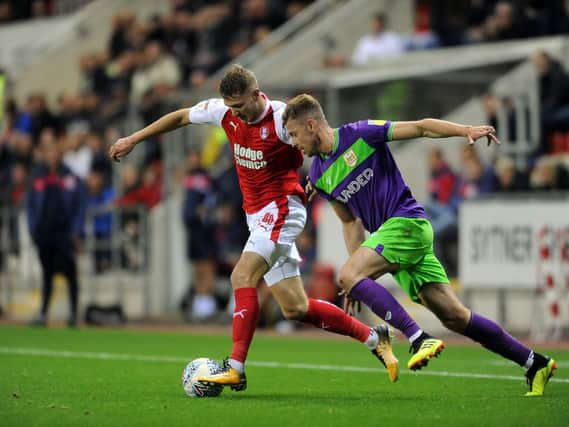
<point x="310" y="190"/>
<point x="121" y="148"/>
<point x="475" y="132"/>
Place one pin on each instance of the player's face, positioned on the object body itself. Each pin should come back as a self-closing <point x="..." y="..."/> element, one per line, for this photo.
<point x="246" y="107"/>
<point x="303" y="134"/>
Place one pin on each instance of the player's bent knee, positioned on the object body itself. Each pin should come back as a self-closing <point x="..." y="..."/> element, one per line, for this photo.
<point x="348" y="277"/>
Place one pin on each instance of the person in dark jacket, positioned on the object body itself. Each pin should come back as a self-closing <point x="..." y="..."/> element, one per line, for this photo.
<point x="55" y="204"/>
<point x="199" y="219"/>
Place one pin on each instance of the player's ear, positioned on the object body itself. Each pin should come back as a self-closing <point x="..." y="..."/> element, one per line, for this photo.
<point x="256" y="93"/>
<point x="311" y="124"/>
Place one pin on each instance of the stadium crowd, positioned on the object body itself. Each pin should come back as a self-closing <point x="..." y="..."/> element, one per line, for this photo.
<point x="145" y="63"/>
<point x="443" y="23"/>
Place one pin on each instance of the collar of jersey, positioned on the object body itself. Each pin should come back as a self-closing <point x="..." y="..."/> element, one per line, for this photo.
<point x="334" y="147"/>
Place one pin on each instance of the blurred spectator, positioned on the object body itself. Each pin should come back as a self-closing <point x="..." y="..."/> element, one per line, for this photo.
<point x="260" y="16"/>
<point x="78" y="157"/>
<point x="449" y="20"/>
<point x="554" y="92"/>
<point x="213" y="24"/>
<point x="99" y="159"/>
<point x="56" y="212"/>
<point x="509" y="179"/>
<point x="182" y="42"/>
<point x="14" y="10"/>
<point x="423" y="36"/>
<point x="506" y="23"/>
<point x="158" y="69"/>
<point x="231" y="236"/>
<point x="21" y="147"/>
<point x="475" y="179"/>
<point x="148" y="193"/>
<point x="35" y="117"/>
<point x="100" y="197"/>
<point x="94" y="79"/>
<point x="378" y="44"/>
<point x="119" y="41"/>
<point x="549" y="174"/>
<point x="14" y="179"/>
<point x="199" y="220"/>
<point x="476" y="21"/>
<point x="71" y="118"/>
<point x="137" y="197"/>
<point x="442" y="208"/>
<point x="332" y="58"/>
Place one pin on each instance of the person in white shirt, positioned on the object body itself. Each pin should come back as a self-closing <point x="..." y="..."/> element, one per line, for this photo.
<point x="379" y="44"/>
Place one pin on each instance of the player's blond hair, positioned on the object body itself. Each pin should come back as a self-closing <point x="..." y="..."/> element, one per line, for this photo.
<point x="237" y="81"/>
<point x="303" y="106"/>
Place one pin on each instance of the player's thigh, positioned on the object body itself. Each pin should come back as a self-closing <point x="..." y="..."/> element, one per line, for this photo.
<point x="364" y="262"/>
<point x="442" y="300"/>
<point x="290" y="295"/>
<point x="250" y="268"/>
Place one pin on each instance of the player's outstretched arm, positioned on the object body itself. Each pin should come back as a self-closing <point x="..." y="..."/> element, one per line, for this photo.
<point x="164" y="124"/>
<point x="352" y="227"/>
<point x="434" y="128"/>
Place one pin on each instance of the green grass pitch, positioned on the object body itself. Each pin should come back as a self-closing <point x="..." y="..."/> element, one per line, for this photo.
<point x="97" y="377"/>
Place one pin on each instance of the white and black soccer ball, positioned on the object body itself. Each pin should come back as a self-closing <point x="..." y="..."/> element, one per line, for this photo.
<point x="195" y="369"/>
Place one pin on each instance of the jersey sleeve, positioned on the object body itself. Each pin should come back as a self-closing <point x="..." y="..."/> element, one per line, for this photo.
<point x="278" y="110"/>
<point x="376" y="132"/>
<point x="211" y="111"/>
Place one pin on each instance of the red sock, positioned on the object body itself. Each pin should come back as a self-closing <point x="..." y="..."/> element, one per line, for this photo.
<point x="327" y="316"/>
<point x="245" y="319"/>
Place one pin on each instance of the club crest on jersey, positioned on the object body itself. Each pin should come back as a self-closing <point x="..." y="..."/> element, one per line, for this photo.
<point x="264" y="133"/>
<point x="350" y="158"/>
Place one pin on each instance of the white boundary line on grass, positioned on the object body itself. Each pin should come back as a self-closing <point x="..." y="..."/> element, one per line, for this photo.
<point x="308" y="366"/>
<point x="559" y="363"/>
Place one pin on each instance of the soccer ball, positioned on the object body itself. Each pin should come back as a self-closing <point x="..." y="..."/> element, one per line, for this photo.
<point x="195" y="369"/>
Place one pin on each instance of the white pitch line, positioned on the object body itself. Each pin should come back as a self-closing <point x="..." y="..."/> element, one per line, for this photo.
<point x="307" y="366"/>
<point x="559" y="363"/>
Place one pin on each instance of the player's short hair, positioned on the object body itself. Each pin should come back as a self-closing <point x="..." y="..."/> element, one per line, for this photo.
<point x="303" y="106"/>
<point x="237" y="81"/>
